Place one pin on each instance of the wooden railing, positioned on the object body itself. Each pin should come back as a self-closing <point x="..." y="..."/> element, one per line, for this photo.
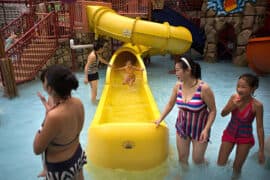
<point x="34" y="48"/>
<point x="19" y="26"/>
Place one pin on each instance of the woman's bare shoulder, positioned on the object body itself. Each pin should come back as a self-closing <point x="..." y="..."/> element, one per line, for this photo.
<point x="205" y="86"/>
<point x="91" y="56"/>
<point x="177" y="85"/>
<point x="59" y="115"/>
<point x="77" y="101"/>
<point x="54" y="117"/>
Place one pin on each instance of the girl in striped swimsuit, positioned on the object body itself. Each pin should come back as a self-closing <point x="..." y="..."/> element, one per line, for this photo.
<point x="243" y="108"/>
<point x="197" y="111"/>
<point x="91" y="69"/>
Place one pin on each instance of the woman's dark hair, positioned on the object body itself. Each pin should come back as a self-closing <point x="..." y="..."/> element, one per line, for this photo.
<point x="252" y="80"/>
<point x="42" y="75"/>
<point x="61" y="79"/>
<point x="194" y="66"/>
<point x="97" y="45"/>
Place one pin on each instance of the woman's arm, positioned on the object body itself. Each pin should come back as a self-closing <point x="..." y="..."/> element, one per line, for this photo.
<point x="47" y="104"/>
<point x="231" y="105"/>
<point x="101" y="59"/>
<point x="260" y="129"/>
<point x="209" y="98"/>
<point x="169" y="105"/>
<point x="48" y="132"/>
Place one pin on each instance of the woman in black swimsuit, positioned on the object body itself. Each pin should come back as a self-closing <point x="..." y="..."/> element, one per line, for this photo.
<point x="58" y="137"/>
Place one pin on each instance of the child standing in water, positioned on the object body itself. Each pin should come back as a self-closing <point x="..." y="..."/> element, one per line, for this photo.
<point x="244" y="108"/>
<point x="129" y="77"/>
<point x="91" y="69"/>
<point x="10" y="40"/>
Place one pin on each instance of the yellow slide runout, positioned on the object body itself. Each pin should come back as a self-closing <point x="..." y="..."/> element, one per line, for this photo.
<point x="122" y="134"/>
<point x="171" y="39"/>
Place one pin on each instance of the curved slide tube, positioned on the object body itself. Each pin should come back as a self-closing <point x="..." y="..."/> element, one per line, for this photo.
<point x="175" y="18"/>
<point x="258" y="56"/>
<point x="171" y="39"/>
<point x="123" y="134"/>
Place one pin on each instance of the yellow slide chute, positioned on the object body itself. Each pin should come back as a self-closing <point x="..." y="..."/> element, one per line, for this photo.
<point x="123" y="134"/>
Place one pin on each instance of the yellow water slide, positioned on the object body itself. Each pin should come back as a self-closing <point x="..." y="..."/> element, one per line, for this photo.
<point x="123" y="134"/>
<point x="171" y="39"/>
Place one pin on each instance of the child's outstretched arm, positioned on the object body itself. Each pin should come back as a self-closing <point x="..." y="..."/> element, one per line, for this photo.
<point x="260" y="130"/>
<point x="120" y="68"/>
<point x="137" y="68"/>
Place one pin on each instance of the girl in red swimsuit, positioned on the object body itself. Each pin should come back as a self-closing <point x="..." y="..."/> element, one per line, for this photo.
<point x="244" y="108"/>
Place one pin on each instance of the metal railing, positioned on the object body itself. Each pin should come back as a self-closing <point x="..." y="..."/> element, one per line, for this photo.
<point x="19" y="26"/>
<point x="34" y="48"/>
<point x="139" y="8"/>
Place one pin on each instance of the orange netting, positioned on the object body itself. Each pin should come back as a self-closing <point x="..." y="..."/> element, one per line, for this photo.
<point x="132" y="8"/>
<point x="157" y="4"/>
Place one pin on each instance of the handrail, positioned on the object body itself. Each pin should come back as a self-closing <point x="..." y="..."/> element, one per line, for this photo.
<point x="12" y="22"/>
<point x="36" y="44"/>
<point x="17" y="25"/>
<point x="25" y="35"/>
<point x="31" y="52"/>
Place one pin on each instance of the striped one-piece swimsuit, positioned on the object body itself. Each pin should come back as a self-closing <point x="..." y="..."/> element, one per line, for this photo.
<point x="192" y="115"/>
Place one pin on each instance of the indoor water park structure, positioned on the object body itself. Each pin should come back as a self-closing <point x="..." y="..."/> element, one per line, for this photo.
<point x="121" y="133"/>
<point x="221" y="29"/>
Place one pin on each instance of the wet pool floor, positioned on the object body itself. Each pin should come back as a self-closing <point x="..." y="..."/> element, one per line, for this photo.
<point x="21" y="117"/>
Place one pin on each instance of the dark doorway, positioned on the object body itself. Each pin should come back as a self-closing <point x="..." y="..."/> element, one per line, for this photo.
<point x="226" y="43"/>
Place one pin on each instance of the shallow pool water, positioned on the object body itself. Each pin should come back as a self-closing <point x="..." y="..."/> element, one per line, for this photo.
<point x="21" y="117"/>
